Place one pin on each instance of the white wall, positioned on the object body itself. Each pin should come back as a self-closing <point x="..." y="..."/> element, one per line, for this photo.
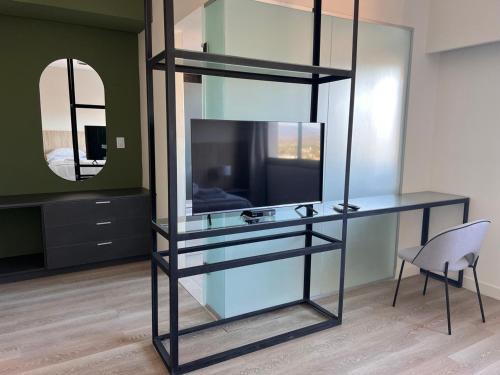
<point x="54" y="98"/>
<point x="466" y="144"/>
<point x="462" y="23"/>
<point x="456" y="148"/>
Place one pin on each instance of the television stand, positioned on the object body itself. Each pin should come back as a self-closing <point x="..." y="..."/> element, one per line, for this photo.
<point x="258" y="214"/>
<point x="310" y="211"/>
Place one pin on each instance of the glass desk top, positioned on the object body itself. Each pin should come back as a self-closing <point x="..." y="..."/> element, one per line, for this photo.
<point x="201" y="226"/>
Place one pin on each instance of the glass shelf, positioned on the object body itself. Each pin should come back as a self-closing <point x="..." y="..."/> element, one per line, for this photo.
<point x="196" y="227"/>
<point x="246" y="68"/>
<point x="202" y="226"/>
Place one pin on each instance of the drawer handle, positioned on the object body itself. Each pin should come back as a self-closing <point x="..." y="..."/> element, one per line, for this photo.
<point x="105" y="243"/>
<point x="103" y="202"/>
<point x="104" y="223"/>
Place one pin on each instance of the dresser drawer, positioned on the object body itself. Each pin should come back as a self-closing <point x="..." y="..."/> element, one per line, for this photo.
<point x="93" y="210"/>
<point x="95" y="252"/>
<point x="95" y="231"/>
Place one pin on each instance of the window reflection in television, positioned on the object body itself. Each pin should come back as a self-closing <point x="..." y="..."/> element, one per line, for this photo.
<point x="310" y="147"/>
<point x="295" y="141"/>
<point x="288" y="140"/>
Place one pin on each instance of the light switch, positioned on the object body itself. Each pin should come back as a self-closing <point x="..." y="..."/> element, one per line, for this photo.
<point x="120" y="142"/>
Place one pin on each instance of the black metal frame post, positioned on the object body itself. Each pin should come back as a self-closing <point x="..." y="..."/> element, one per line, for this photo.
<point x="478" y="292"/>
<point x="350" y="128"/>
<point x="424" y="236"/>
<point x="168" y="24"/>
<point x="74" y="121"/>
<point x="465" y="219"/>
<point x="148" y="8"/>
<point x="317" y="12"/>
<point x="172" y="60"/>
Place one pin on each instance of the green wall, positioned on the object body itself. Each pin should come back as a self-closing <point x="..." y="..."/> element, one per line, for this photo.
<point x="28" y="46"/>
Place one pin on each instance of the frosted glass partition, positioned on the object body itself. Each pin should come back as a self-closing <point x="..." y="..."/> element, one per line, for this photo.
<point x="383" y="65"/>
<point x="284" y="33"/>
<point x="224" y="15"/>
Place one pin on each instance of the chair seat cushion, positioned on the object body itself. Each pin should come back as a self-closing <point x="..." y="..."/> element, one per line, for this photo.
<point x="409" y="253"/>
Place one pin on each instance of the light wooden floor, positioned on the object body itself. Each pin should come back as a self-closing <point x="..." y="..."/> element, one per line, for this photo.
<point x="97" y="322"/>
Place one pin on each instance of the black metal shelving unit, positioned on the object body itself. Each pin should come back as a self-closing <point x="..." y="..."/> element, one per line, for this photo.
<point x="74" y="106"/>
<point x="173" y="60"/>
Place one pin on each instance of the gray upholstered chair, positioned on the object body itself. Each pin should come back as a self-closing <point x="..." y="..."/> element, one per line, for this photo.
<point x="454" y="249"/>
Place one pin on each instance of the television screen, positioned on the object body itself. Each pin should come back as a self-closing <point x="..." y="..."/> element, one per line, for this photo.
<point x="95" y="139"/>
<point x="244" y="165"/>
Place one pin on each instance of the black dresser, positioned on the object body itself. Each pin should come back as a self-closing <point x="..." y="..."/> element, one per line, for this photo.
<point x="85" y="229"/>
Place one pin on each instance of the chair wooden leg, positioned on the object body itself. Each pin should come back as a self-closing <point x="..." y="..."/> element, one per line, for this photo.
<point x="447" y="297"/>
<point x="478" y="291"/>
<point x="426" y="281"/>
<point x="399" y="282"/>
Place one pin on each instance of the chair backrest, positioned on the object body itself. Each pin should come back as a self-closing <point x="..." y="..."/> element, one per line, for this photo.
<point x="453" y="244"/>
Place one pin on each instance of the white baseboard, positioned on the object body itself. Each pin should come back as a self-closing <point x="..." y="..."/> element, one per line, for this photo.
<point x="486" y="289"/>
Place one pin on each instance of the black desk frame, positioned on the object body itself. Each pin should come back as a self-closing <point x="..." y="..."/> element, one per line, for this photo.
<point x="424" y="236"/>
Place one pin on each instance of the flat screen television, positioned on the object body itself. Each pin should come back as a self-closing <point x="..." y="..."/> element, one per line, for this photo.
<point x="95" y="142"/>
<point x="246" y="165"/>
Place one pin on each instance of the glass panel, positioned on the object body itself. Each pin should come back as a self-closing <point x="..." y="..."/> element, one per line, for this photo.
<point x="233" y="99"/>
<point x="224" y="23"/>
<point x="383" y="62"/>
<point x="63" y="139"/>
<point x="258" y="248"/>
<point x="285" y="34"/>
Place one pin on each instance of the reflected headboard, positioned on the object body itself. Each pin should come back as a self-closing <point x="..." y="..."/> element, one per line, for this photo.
<point x="53" y="139"/>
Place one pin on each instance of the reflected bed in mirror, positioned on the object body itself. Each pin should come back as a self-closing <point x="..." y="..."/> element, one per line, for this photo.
<point x="72" y="103"/>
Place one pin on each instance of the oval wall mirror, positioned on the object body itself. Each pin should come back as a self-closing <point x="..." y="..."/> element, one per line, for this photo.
<point x="73" y="119"/>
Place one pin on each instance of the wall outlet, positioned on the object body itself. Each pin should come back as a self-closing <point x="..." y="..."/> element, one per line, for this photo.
<point x="120" y="142"/>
